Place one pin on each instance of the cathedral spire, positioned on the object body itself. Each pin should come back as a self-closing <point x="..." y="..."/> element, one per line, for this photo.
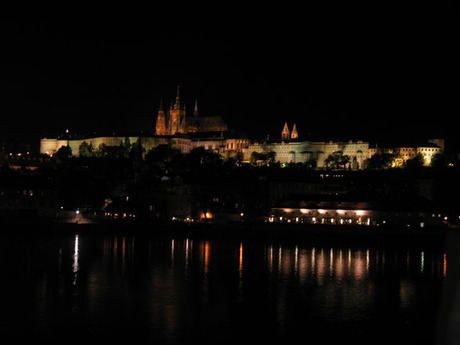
<point x="294" y="133"/>
<point x="195" y="111"/>
<point x="177" y="102"/>
<point x="161" y="126"/>
<point x="285" y="134"/>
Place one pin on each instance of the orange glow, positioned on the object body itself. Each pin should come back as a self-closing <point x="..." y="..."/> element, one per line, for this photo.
<point x="240" y="266"/>
<point x="206" y="215"/>
<point x="207" y="251"/>
<point x="444" y="265"/>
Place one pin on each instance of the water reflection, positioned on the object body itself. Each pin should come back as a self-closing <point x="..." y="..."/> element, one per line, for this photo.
<point x="75" y="265"/>
<point x="172" y="289"/>
<point x="356" y="264"/>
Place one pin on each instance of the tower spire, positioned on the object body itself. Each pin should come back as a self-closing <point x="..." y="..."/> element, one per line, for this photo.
<point x="195" y="110"/>
<point x="294" y="133"/>
<point x="161" y="126"/>
<point x="285" y="134"/>
<point x="177" y="102"/>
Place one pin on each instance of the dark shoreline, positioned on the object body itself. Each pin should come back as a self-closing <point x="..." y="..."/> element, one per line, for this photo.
<point x="333" y="234"/>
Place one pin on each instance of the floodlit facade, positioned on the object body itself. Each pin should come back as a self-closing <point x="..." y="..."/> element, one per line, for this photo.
<point x="354" y="213"/>
<point x="404" y="153"/>
<point x="308" y="151"/>
<point x="173" y="127"/>
<point x="179" y="130"/>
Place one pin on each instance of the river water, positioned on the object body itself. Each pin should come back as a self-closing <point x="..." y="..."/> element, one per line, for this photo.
<point x="176" y="288"/>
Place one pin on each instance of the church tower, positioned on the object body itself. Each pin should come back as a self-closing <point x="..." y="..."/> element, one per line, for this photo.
<point x="294" y="133"/>
<point x="192" y="124"/>
<point x="160" y="128"/>
<point x="285" y="134"/>
<point x="177" y="115"/>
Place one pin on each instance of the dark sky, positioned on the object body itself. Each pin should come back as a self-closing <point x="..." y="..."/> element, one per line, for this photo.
<point x="370" y="75"/>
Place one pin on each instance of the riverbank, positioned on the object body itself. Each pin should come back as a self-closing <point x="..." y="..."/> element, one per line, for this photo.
<point x="333" y="234"/>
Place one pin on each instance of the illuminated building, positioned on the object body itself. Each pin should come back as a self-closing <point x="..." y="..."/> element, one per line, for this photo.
<point x="291" y="150"/>
<point x="350" y="209"/>
<point x="176" y="120"/>
<point x="179" y="130"/>
<point x="404" y="153"/>
<point x="173" y="127"/>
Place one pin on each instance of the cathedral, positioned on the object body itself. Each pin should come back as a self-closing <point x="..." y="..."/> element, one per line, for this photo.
<point x="174" y="127"/>
<point x="177" y="121"/>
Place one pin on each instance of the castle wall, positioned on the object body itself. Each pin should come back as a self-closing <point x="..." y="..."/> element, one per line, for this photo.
<point x="51" y="146"/>
<point x="302" y="152"/>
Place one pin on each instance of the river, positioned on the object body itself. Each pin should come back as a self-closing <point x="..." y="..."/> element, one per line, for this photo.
<point x="178" y="288"/>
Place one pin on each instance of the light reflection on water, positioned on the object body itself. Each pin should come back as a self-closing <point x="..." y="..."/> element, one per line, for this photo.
<point x="174" y="289"/>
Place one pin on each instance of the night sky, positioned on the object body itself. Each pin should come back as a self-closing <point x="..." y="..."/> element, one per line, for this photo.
<point x="374" y="75"/>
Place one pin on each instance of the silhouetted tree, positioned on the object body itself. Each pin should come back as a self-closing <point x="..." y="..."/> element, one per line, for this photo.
<point x="337" y="160"/>
<point x="438" y="160"/>
<point x="163" y="157"/>
<point x="266" y="158"/>
<point x="380" y="161"/>
<point x="64" y="152"/>
<point x="201" y="157"/>
<point x="85" y="149"/>
<point x="415" y="163"/>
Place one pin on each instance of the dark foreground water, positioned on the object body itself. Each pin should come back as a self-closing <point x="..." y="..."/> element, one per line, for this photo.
<point x="76" y="287"/>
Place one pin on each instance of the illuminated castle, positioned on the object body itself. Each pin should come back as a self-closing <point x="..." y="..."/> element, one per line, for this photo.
<point x="173" y="127"/>
<point x="176" y="120"/>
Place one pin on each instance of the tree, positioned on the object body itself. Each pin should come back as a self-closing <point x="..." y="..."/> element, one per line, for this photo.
<point x="135" y="150"/>
<point x="125" y="148"/>
<point x="105" y="151"/>
<point x="415" y="163"/>
<point x="271" y="157"/>
<point x="380" y="161"/>
<point x="312" y="163"/>
<point x="64" y="152"/>
<point x="163" y="156"/>
<point x="266" y="158"/>
<point x="438" y="160"/>
<point x="85" y="149"/>
<point x="199" y="156"/>
<point x="337" y="159"/>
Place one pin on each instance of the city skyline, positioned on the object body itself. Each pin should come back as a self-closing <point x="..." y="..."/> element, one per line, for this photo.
<point x="350" y="77"/>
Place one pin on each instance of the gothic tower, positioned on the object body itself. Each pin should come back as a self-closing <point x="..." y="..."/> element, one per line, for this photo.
<point x="177" y="115"/>
<point x="294" y="133"/>
<point x="175" y="120"/>
<point x="285" y="134"/>
<point x="192" y="124"/>
<point x="160" y="128"/>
